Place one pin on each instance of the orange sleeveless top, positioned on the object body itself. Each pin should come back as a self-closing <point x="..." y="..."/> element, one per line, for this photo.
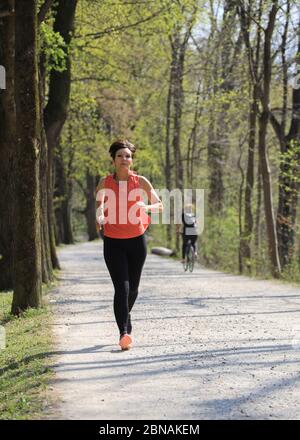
<point x="122" y="217"/>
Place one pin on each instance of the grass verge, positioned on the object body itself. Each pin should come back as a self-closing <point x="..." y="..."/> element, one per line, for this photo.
<point x="24" y="363"/>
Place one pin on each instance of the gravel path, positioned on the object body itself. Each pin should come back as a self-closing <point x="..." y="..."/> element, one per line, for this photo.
<point x="207" y="345"/>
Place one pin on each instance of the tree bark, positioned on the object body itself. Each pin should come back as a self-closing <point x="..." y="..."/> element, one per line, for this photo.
<point x="58" y="196"/>
<point x="241" y="189"/>
<point x="178" y="47"/>
<point x="168" y="173"/>
<point x="214" y="162"/>
<point x="257" y="233"/>
<point x="47" y="269"/>
<point x="248" y="216"/>
<point x="218" y="139"/>
<point x="253" y="116"/>
<point x="178" y="54"/>
<point x="267" y="190"/>
<point x="90" y="211"/>
<point x="215" y="165"/>
<point x="7" y="148"/>
<point x="262" y="147"/>
<point x="56" y="110"/>
<point x="27" y="232"/>
<point x="288" y="191"/>
<point x="63" y="202"/>
<point x="264" y="92"/>
<point x="67" y="214"/>
<point x="192" y="155"/>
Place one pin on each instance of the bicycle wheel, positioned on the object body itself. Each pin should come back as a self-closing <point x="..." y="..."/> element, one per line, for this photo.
<point x="191" y="258"/>
<point x="186" y="258"/>
<point x="186" y="263"/>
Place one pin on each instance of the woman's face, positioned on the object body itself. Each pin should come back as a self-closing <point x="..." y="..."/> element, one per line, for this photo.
<point x="123" y="159"/>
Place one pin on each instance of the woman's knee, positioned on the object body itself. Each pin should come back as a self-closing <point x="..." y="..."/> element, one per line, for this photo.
<point x="122" y="289"/>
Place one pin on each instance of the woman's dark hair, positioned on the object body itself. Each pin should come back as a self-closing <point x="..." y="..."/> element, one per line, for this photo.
<point x="121" y="144"/>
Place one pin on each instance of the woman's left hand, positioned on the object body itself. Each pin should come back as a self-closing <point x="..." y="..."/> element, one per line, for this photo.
<point x="142" y="206"/>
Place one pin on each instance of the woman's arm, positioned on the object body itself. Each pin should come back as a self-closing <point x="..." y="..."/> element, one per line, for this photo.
<point x="155" y="205"/>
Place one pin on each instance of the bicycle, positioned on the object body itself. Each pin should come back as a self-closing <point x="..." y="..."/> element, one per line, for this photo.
<point x="189" y="260"/>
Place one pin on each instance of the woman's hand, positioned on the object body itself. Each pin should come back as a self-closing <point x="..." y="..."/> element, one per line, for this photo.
<point x="154" y="208"/>
<point x="100" y="216"/>
<point x="142" y="206"/>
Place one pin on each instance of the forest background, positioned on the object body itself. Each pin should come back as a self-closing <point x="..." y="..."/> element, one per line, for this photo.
<point x="208" y="91"/>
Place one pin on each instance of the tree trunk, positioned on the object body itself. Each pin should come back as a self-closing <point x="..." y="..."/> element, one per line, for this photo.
<point x="253" y="115"/>
<point x="90" y="211"/>
<point x="257" y="238"/>
<point x="215" y="166"/>
<point x="263" y="122"/>
<point x="218" y="139"/>
<point x="63" y="202"/>
<point x="267" y="190"/>
<point x="287" y="207"/>
<point x="47" y="269"/>
<point x="168" y="174"/>
<point x="248" y="217"/>
<point x="56" y="110"/>
<point x="288" y="194"/>
<point x="241" y="189"/>
<point x="27" y="232"/>
<point x="179" y="47"/>
<point x="248" y="224"/>
<point x="263" y="155"/>
<point x="7" y="149"/>
<point x="58" y="196"/>
<point x="178" y="53"/>
<point x="67" y="213"/>
<point x="192" y="142"/>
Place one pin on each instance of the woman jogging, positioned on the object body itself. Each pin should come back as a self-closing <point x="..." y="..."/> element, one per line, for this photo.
<point x="122" y="214"/>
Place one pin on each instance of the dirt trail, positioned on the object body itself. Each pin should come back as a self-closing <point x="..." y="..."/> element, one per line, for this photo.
<point x="207" y="345"/>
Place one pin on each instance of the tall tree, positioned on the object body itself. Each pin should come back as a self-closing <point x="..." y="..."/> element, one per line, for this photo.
<point x="56" y="110"/>
<point x="27" y="233"/>
<point x="263" y="82"/>
<point x="7" y="143"/>
<point x="246" y="236"/>
<point x="219" y="146"/>
<point x="63" y="194"/>
<point x="175" y="101"/>
<point x="262" y="146"/>
<point x="47" y="268"/>
<point x="289" y="141"/>
<point x="90" y="209"/>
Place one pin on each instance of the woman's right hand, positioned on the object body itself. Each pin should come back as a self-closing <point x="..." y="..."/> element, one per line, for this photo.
<point x="100" y="219"/>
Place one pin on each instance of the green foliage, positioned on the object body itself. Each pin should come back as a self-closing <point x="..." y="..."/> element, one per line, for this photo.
<point x="219" y="242"/>
<point x="291" y="272"/>
<point x="290" y="162"/>
<point x="121" y="60"/>
<point x="53" y="47"/>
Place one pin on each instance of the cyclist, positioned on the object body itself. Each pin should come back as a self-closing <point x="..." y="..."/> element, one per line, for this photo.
<point x="123" y="215"/>
<point x="189" y="229"/>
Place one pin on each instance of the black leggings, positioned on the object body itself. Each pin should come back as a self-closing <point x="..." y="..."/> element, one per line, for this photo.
<point x="124" y="258"/>
<point x="185" y="239"/>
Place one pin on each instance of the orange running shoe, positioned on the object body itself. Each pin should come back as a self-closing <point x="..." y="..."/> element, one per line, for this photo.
<point x="125" y="342"/>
